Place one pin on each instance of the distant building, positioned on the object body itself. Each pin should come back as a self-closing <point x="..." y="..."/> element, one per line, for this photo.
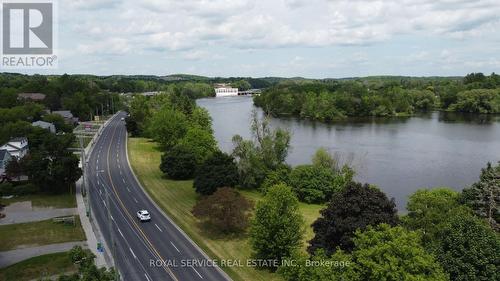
<point x="4" y="160"/>
<point x="31" y="96"/>
<point x="17" y="147"/>
<point x="67" y="115"/>
<point x="45" y="125"/>
<point x="225" y="90"/>
<point x="150" y="94"/>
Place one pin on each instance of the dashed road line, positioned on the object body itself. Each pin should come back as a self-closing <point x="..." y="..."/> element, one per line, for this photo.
<point x="197" y="272"/>
<point x="132" y="253"/>
<point x="158" y="228"/>
<point x="175" y="247"/>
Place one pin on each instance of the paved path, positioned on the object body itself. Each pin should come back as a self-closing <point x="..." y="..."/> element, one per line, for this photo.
<point x="14" y="256"/>
<point x="22" y="212"/>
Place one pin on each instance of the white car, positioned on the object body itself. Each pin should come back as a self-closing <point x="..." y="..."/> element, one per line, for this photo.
<point x="123" y="119"/>
<point x="143" y="215"/>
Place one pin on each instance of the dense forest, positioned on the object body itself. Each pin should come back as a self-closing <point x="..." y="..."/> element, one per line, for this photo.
<point x="329" y="100"/>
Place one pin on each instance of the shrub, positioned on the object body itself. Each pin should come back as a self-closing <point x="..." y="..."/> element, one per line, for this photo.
<point x="178" y="163"/>
<point x="217" y="170"/>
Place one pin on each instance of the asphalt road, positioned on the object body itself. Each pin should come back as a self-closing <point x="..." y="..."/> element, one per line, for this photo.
<point x="155" y="250"/>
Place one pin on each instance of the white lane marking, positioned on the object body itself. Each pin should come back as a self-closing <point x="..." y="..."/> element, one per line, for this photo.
<point x="118" y="160"/>
<point x="104" y="203"/>
<point x="128" y="189"/>
<point x="123" y="180"/>
<point x="119" y="167"/>
<point x="97" y="161"/>
<point x="135" y="200"/>
<point x="147" y="278"/>
<point x="100" y="192"/>
<point x="120" y="171"/>
<point x="197" y="272"/>
<point x="120" y="232"/>
<point x="158" y="228"/>
<point x="112" y="218"/>
<point x="175" y="247"/>
<point x="132" y="253"/>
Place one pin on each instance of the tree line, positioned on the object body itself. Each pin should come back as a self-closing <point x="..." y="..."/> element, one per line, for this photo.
<point x="330" y="100"/>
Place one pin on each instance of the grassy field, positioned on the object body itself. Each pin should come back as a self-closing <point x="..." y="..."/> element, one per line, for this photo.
<point x="177" y="198"/>
<point x="45" y="200"/>
<point x="14" y="236"/>
<point x="37" y="267"/>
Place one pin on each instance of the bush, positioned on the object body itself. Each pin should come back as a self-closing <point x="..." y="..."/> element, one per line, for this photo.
<point x="313" y="184"/>
<point x="217" y="170"/>
<point x="7" y="189"/>
<point x="226" y="210"/>
<point x="178" y="163"/>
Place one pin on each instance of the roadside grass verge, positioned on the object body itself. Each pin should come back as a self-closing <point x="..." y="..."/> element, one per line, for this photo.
<point x="21" y="235"/>
<point x="38" y="267"/>
<point x="65" y="200"/>
<point x="177" y="199"/>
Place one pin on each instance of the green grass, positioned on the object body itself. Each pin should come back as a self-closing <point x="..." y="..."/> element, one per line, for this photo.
<point x="45" y="200"/>
<point x="14" y="236"/>
<point x="37" y="267"/>
<point x="177" y="198"/>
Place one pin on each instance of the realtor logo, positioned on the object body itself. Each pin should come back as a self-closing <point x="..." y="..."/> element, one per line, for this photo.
<point x="28" y="34"/>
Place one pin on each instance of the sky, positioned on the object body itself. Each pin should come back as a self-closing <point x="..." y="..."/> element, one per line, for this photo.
<point x="288" y="38"/>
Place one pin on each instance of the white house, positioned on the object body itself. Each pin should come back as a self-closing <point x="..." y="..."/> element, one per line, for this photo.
<point x="4" y="160"/>
<point x="224" y="90"/>
<point x="17" y="147"/>
<point x="45" y="125"/>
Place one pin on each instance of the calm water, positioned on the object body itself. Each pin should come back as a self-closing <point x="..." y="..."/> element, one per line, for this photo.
<point x="399" y="155"/>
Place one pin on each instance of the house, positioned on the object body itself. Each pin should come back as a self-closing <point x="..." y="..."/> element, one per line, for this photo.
<point x="17" y="147"/>
<point x="45" y="125"/>
<point x="4" y="160"/>
<point x="67" y="115"/>
<point x="37" y="97"/>
<point x="224" y="90"/>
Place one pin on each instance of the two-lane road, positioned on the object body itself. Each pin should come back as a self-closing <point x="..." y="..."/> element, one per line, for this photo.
<point x="116" y="196"/>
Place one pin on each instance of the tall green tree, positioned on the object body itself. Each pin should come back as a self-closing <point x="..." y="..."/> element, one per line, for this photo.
<point x="484" y="196"/>
<point x="218" y="170"/>
<point x="429" y="209"/>
<point x="266" y="152"/>
<point x="178" y="163"/>
<point x="277" y="227"/>
<point x="394" y="254"/>
<point x="469" y="249"/>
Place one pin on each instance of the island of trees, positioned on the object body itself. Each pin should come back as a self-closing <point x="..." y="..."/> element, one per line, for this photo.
<point x="330" y="100"/>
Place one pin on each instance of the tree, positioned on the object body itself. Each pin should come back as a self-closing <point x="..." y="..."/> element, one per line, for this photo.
<point x="87" y="270"/>
<point x="314" y="184"/>
<point x="178" y="163"/>
<point x="266" y="152"/>
<point x="167" y="126"/>
<point x="218" y="170"/>
<point x="393" y="254"/>
<point x="354" y="207"/>
<point x="277" y="228"/>
<point x="469" y="249"/>
<point x="484" y="196"/>
<point x="200" y="142"/>
<point x="428" y="211"/>
<point x="226" y="210"/>
<point x="59" y="122"/>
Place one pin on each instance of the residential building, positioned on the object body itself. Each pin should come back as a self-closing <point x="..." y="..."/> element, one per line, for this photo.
<point x="17" y="147"/>
<point x="45" y="125"/>
<point x="38" y="97"/>
<point x="4" y="160"/>
<point x="67" y="115"/>
<point x="225" y="90"/>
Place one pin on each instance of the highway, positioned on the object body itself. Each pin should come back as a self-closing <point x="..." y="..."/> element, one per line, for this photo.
<point x="154" y="250"/>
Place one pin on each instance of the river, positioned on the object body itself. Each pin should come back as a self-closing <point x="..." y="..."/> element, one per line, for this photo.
<point x="399" y="155"/>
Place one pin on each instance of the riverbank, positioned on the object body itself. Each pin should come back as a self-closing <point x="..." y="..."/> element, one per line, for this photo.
<point x="177" y="199"/>
<point x="399" y="155"/>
